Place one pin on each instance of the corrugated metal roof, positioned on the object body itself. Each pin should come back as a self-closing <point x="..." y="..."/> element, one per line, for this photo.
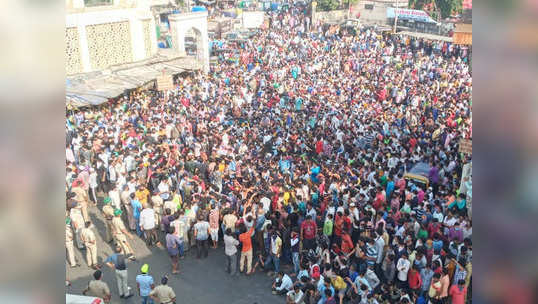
<point x="426" y="36"/>
<point x="98" y="87"/>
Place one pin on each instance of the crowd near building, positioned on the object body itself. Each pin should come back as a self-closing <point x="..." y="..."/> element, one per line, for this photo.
<point x="299" y="158"/>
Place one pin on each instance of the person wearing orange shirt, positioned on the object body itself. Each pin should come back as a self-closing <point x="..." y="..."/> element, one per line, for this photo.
<point x="246" y="251"/>
<point x="458" y="292"/>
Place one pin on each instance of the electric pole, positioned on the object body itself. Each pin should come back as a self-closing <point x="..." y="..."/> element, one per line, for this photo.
<point x="395" y="16"/>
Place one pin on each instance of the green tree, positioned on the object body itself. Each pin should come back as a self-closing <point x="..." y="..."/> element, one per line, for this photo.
<point x="327" y="5"/>
<point x="418" y="4"/>
<point x="447" y="7"/>
<point x="346" y="3"/>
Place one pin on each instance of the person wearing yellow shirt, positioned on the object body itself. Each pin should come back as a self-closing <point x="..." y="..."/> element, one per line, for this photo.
<point x="142" y="194"/>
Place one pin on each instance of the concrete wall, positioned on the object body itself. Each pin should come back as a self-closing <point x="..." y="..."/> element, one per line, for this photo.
<point x="180" y="24"/>
<point x="331" y="16"/>
<point x="97" y="39"/>
<point x="377" y="15"/>
<point x="252" y="19"/>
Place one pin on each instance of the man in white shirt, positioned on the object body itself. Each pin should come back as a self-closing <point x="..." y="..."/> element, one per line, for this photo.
<point x="295" y="296"/>
<point x="282" y="284"/>
<point x="266" y="203"/>
<point x="114" y="194"/>
<point x="230" y="249"/>
<point x="402" y="267"/>
<point x="147" y="225"/>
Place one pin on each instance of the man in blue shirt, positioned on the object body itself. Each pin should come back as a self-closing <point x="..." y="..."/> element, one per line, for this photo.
<point x="118" y="261"/>
<point x="137" y="207"/>
<point x="145" y="284"/>
<point x="321" y="289"/>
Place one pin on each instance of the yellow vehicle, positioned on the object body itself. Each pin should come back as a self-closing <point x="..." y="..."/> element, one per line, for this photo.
<point x="419" y="175"/>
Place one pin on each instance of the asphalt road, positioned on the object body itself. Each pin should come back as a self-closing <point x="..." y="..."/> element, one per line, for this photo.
<point x="199" y="281"/>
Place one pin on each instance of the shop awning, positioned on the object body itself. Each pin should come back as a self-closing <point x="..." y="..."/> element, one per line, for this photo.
<point x="95" y="88"/>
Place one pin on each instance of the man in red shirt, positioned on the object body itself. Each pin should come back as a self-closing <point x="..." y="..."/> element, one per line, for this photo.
<point x="338" y="228"/>
<point x="379" y="199"/>
<point x="319" y="146"/>
<point x="308" y="233"/>
<point x="414" y="279"/>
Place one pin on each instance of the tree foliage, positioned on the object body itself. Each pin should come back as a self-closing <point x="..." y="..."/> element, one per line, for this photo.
<point x="447" y="7"/>
<point x="327" y="5"/>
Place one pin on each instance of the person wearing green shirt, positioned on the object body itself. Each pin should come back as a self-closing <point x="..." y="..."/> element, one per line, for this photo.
<point x="422" y="233"/>
<point x="460" y="204"/>
<point x="328" y="225"/>
<point x="177" y="200"/>
<point x="406" y="208"/>
<point x="383" y="181"/>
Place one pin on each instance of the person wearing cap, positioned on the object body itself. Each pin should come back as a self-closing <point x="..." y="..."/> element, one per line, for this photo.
<point x="69" y="243"/>
<point x="120" y="234"/>
<point x="98" y="288"/>
<point x="145" y="285"/>
<point x="108" y="213"/>
<point x="163" y="293"/>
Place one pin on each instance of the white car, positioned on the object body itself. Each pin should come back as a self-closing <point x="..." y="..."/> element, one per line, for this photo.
<point x="76" y="299"/>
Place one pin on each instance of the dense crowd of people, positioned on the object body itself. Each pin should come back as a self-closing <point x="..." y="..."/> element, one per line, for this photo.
<point x="294" y="155"/>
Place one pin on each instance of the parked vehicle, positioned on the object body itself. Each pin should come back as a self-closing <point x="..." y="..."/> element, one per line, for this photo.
<point x="419" y="175"/>
<point x="76" y="299"/>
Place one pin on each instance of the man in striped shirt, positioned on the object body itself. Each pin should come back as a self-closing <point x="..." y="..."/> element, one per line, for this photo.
<point x="371" y="252"/>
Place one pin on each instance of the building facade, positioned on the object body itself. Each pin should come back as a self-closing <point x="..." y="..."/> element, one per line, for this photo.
<point x="104" y="33"/>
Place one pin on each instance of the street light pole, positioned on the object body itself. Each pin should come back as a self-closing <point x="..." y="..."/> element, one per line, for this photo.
<point x="395" y="16"/>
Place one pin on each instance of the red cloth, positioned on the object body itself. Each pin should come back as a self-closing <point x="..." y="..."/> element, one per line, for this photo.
<point x="309" y="229"/>
<point x="414" y="279"/>
<point x="347" y="243"/>
<point x="319" y="147"/>
<point x="338" y="225"/>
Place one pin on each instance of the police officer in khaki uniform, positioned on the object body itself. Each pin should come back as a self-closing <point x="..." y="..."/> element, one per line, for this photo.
<point x="163" y="293"/>
<point x="157" y="203"/>
<point x="108" y="212"/>
<point x="126" y="201"/>
<point x="120" y="234"/>
<point x="69" y="244"/>
<point x="75" y="214"/>
<point x="98" y="288"/>
<point x="88" y="237"/>
<point x="81" y="196"/>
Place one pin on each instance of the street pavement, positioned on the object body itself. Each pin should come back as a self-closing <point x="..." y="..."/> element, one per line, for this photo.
<point x="199" y="281"/>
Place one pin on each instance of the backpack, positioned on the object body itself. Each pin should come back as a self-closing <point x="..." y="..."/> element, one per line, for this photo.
<point x="338" y="283"/>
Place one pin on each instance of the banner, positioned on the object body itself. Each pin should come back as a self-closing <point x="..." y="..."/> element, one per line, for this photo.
<point x="165" y="82"/>
<point x="404" y="13"/>
<point x="466" y="146"/>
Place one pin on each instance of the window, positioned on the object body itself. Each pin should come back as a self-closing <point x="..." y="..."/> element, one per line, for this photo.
<point x="90" y="3"/>
<point x="369" y="6"/>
